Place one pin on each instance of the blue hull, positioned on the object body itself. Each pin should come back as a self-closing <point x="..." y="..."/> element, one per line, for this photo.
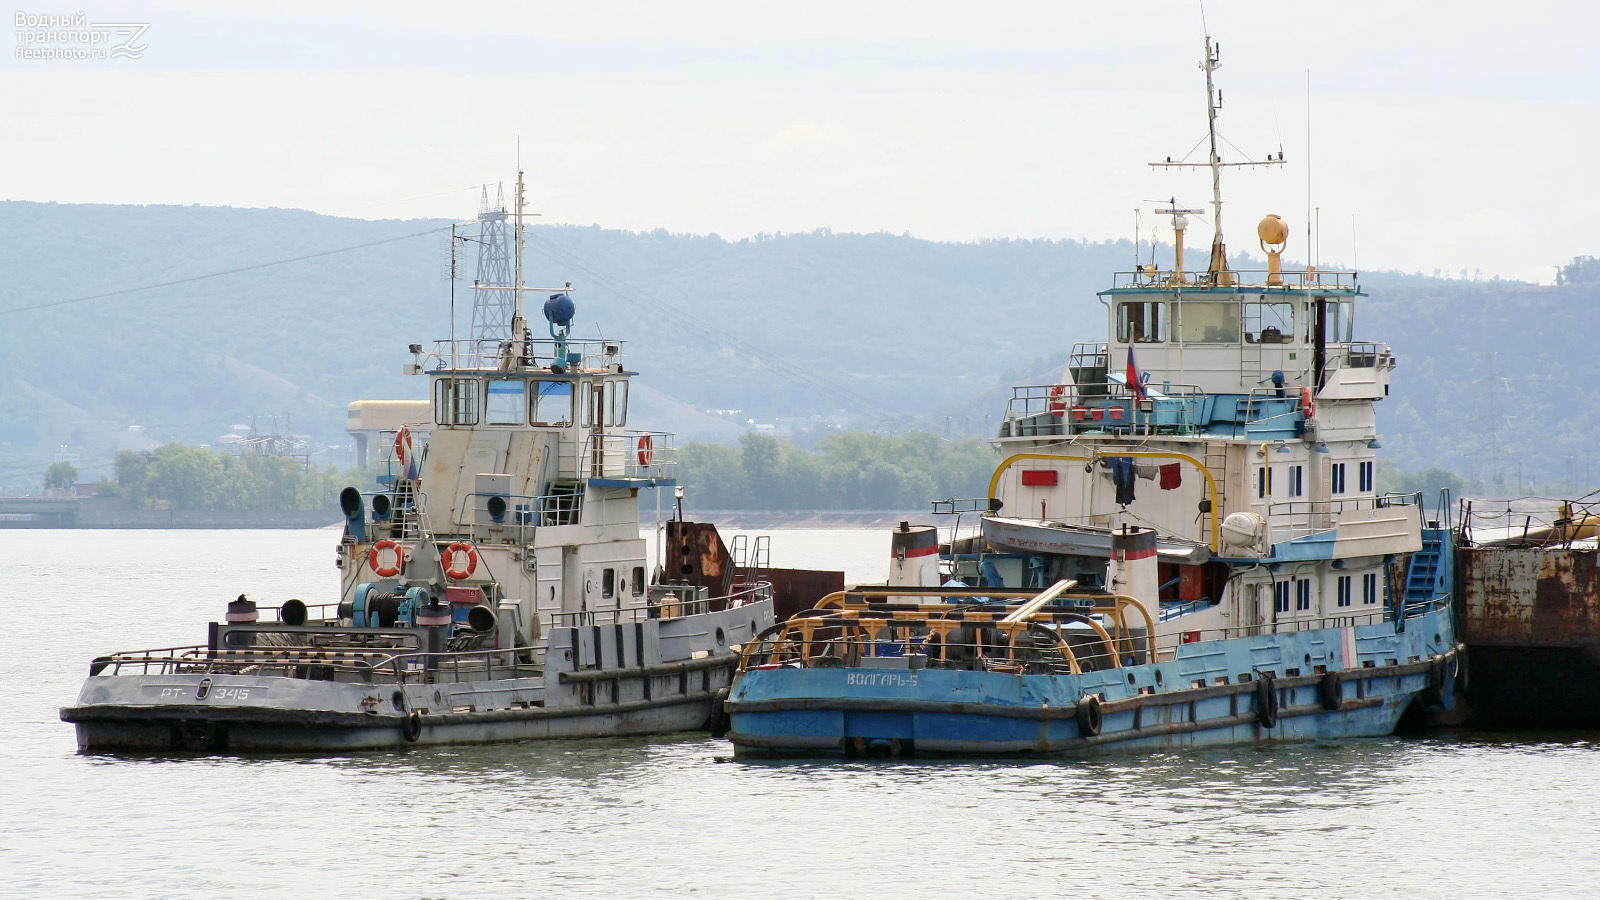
<point x="1197" y="699"/>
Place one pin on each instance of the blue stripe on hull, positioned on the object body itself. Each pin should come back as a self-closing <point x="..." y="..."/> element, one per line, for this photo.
<point x="939" y="711"/>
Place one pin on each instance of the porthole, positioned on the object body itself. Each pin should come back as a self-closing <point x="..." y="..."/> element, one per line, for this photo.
<point x="1130" y="678"/>
<point x="722" y="639"/>
<point x="1158" y="678"/>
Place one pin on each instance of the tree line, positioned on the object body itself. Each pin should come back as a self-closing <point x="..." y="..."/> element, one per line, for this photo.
<point x="846" y="470"/>
<point x="185" y="477"/>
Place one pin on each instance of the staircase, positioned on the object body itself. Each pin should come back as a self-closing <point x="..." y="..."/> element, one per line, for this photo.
<point x="1430" y="571"/>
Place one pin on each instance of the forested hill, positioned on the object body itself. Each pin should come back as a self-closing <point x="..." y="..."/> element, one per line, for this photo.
<point x="875" y="330"/>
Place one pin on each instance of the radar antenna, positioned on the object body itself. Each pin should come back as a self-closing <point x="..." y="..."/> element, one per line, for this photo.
<point x="1217" y="271"/>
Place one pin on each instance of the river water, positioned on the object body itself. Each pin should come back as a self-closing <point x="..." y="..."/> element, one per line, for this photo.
<point x="1456" y="816"/>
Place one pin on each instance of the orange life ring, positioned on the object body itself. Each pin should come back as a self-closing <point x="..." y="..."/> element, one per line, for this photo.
<point x="1307" y="404"/>
<point x="646" y="450"/>
<point x="450" y="570"/>
<point x="402" y="445"/>
<point x="1058" y="400"/>
<point x="399" y="558"/>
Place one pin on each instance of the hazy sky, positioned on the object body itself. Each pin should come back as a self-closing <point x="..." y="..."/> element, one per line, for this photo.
<point x="1445" y="136"/>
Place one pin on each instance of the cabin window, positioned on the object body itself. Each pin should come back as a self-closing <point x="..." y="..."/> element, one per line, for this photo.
<point x="1340" y="318"/>
<point x="1141" y="322"/>
<point x="1297" y="481"/>
<point x="638" y="581"/>
<point x="1344" y="589"/>
<point x="1369" y="589"/>
<point x="1264" y="482"/>
<point x="1268" y="323"/>
<point x="1280" y="596"/>
<point x="552" y="403"/>
<point x="586" y="405"/>
<point x="608" y="583"/>
<point x="1336" y="482"/>
<point x="455" y="401"/>
<point x="619" y="401"/>
<point x="505" y="406"/>
<point x="1364" y="476"/>
<point x="1302" y="595"/>
<point x="610" y="399"/>
<point x="1208" y="323"/>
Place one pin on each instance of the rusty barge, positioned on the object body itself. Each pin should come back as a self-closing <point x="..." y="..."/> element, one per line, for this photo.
<point x="1528" y="607"/>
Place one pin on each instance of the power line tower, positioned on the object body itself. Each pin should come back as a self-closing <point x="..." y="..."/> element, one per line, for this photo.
<point x="492" y="309"/>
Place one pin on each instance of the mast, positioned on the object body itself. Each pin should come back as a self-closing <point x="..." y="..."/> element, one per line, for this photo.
<point x="518" y="325"/>
<point x="1217" y="270"/>
<point x="1219" y="252"/>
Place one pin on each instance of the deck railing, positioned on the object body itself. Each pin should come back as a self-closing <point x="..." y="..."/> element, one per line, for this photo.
<point x="509" y="355"/>
<point x="1254" y="278"/>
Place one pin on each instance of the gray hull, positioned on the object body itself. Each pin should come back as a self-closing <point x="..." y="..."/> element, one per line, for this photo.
<point x="602" y="680"/>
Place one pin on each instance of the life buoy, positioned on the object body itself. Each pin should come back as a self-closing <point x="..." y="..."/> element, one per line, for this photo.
<point x="402" y="445"/>
<point x="450" y="570"/>
<point x="1089" y="716"/>
<point x="1058" y="400"/>
<point x="1308" y="404"/>
<point x="646" y="450"/>
<point x="399" y="558"/>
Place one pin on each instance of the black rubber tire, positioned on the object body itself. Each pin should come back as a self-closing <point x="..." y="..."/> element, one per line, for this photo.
<point x="717" y="722"/>
<point x="1329" y="690"/>
<point x="1089" y="716"/>
<point x="1438" y="683"/>
<point x="1266" y="702"/>
<point x="412" y="727"/>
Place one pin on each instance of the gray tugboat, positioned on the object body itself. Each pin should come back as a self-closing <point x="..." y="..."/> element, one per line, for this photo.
<point x="494" y="589"/>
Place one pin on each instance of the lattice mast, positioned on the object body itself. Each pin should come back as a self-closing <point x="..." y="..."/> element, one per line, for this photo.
<point x="493" y="310"/>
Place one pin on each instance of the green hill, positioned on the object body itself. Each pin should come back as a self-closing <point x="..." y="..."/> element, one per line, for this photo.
<point x="817" y="330"/>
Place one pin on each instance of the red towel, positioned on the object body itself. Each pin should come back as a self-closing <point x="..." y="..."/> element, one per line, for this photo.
<point x="1171" y="476"/>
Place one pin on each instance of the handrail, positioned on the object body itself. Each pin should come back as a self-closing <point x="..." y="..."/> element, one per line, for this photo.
<point x="666" y="609"/>
<point x="489" y="355"/>
<point x="1330" y="279"/>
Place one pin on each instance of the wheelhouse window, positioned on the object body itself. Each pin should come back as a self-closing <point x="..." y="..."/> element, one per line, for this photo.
<point x="552" y="403"/>
<point x="617" y="403"/>
<point x="1268" y="323"/>
<point x="506" y="404"/>
<point x="1340" y="321"/>
<point x="1204" y="322"/>
<point x="1141" y="322"/>
<point x="455" y="401"/>
<point x="586" y="405"/>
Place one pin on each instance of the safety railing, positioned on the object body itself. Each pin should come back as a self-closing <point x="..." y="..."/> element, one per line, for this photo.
<point x="1067" y="409"/>
<point x="628" y="456"/>
<point x="519" y="514"/>
<point x="1290" y="519"/>
<point x="667" y="601"/>
<point x="1529" y="522"/>
<point x="507" y="355"/>
<point x="1054" y="631"/>
<point x="1169" y="278"/>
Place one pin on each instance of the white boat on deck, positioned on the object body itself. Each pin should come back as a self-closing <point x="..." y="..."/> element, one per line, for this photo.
<point x="493" y="589"/>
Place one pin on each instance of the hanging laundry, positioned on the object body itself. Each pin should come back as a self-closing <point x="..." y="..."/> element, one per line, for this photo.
<point x="1147" y="471"/>
<point x="1171" y="476"/>
<point x="1122" y="475"/>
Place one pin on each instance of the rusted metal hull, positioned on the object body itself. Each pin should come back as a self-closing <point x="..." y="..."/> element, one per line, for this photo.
<point x="1531" y="621"/>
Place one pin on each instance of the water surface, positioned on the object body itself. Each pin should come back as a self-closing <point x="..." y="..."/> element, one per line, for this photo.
<point x="1449" y="817"/>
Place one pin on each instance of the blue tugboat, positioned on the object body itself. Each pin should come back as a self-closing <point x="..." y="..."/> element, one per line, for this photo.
<point x="1183" y="547"/>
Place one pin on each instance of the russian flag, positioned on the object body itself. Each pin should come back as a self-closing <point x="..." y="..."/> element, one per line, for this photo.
<point x="1135" y="384"/>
